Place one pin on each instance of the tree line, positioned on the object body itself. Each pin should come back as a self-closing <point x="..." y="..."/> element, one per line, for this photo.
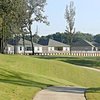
<point x="64" y="37"/>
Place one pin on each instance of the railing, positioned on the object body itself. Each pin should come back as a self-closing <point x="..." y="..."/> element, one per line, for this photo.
<point x="67" y="53"/>
<point x="73" y="53"/>
<point x="85" y="53"/>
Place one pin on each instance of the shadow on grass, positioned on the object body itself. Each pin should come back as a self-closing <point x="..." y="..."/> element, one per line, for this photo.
<point x="81" y="61"/>
<point x="93" y="90"/>
<point x="12" y="77"/>
<point x="56" y="57"/>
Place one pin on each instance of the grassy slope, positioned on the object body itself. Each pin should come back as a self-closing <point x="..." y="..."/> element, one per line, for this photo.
<point x="92" y="93"/>
<point x="22" y="76"/>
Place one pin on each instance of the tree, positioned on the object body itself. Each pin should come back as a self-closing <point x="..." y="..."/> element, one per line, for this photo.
<point x="12" y="16"/>
<point x="61" y="37"/>
<point x="80" y="35"/>
<point x="4" y="8"/>
<point x="36" y="38"/>
<point x="35" y="13"/>
<point x="70" y="20"/>
<point x="97" y="38"/>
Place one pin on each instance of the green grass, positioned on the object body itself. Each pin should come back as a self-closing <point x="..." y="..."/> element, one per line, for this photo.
<point x="22" y="76"/>
<point x="93" y="62"/>
<point x="93" y="94"/>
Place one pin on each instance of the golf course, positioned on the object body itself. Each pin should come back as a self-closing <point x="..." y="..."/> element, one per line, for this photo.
<point x="21" y="77"/>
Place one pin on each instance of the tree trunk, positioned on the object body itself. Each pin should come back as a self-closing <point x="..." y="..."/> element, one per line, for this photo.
<point x="0" y="44"/>
<point x="23" y="42"/>
<point x="31" y="39"/>
<point x="2" y="37"/>
<point x="70" y="43"/>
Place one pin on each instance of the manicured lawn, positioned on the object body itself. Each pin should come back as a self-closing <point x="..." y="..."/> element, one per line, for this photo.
<point x="93" y="94"/>
<point x="93" y="62"/>
<point x="22" y="76"/>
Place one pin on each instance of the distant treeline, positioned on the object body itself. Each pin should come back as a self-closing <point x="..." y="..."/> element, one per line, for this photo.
<point x="64" y="37"/>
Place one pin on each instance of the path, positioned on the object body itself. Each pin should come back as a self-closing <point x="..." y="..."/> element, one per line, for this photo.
<point x="92" y="69"/>
<point x="61" y="93"/>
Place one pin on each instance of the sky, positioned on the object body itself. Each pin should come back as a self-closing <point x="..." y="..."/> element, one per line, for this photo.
<point x="87" y="18"/>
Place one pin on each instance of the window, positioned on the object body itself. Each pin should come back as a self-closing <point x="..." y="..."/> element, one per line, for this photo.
<point x="38" y="49"/>
<point x="20" y="48"/>
<point x="59" y="48"/>
<point x="28" y="48"/>
<point x="98" y="49"/>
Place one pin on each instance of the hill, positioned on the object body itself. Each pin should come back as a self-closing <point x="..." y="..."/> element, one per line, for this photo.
<point x="22" y="76"/>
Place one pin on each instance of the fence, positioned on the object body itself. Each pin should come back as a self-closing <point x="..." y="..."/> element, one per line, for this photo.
<point x="85" y="53"/>
<point x="74" y="53"/>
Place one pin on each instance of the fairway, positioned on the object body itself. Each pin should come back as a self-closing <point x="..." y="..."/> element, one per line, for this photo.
<point x="21" y="77"/>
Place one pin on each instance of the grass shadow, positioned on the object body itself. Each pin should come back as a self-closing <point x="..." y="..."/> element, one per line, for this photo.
<point x="55" y="57"/>
<point x="93" y="90"/>
<point x="12" y="77"/>
<point x="81" y="61"/>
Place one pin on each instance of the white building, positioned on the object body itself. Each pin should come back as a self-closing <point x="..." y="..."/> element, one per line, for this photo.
<point x="55" y="46"/>
<point x="52" y="47"/>
<point x="19" y="48"/>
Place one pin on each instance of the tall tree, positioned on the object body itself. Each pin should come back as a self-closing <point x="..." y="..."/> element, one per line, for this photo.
<point x="6" y="10"/>
<point x="70" y="20"/>
<point x="35" y="13"/>
<point x="12" y="15"/>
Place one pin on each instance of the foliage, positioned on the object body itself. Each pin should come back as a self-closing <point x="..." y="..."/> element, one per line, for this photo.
<point x="11" y="19"/>
<point x="70" y="20"/>
<point x="63" y="37"/>
<point x="97" y="38"/>
<point x="35" y="38"/>
<point x="80" y="35"/>
<point x="35" y="13"/>
<point x="17" y="16"/>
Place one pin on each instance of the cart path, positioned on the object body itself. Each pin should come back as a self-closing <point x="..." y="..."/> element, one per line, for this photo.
<point x="61" y="93"/>
<point x="92" y="69"/>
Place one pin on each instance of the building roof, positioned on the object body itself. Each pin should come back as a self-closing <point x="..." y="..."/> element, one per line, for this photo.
<point x="52" y="43"/>
<point x="96" y="44"/>
<point x="12" y="41"/>
<point x="9" y="45"/>
<point x="20" y="42"/>
<point x="82" y="43"/>
<point x="43" y="42"/>
<point x="27" y="42"/>
<point x="56" y="43"/>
